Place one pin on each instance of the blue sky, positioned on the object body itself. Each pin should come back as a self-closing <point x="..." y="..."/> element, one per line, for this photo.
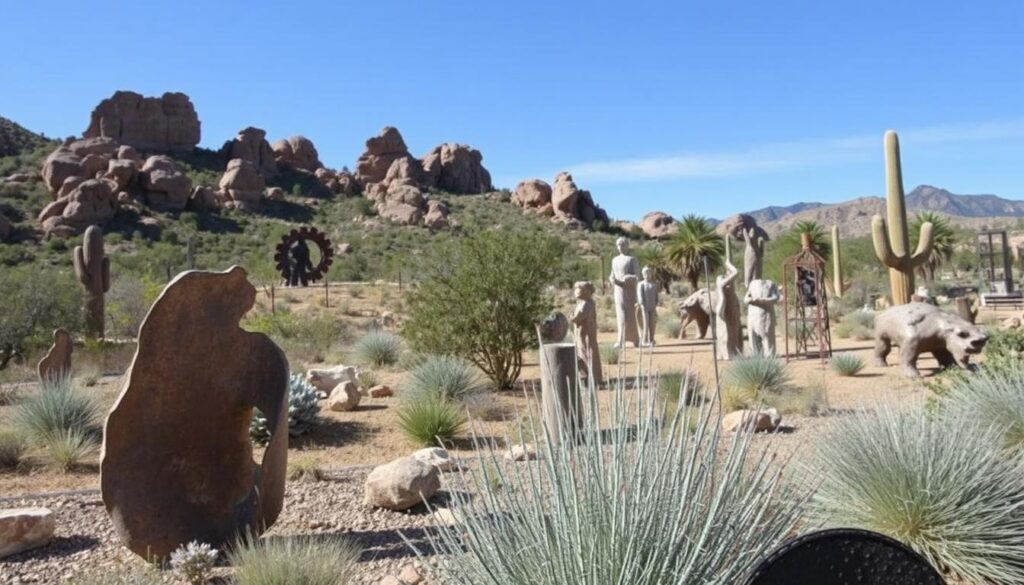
<point x="705" y="107"/>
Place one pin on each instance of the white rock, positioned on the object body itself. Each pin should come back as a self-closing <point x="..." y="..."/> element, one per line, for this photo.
<point x="763" y="420"/>
<point x="344" y="397"/>
<point x="325" y="379"/>
<point x="438" y="457"/>
<point x="23" y="529"/>
<point x="520" y="453"/>
<point x="401" y="484"/>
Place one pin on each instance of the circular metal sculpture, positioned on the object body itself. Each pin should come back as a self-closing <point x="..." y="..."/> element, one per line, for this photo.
<point x="293" y="260"/>
<point x="844" y="556"/>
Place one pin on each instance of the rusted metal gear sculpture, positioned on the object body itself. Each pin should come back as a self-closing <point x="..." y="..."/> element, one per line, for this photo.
<point x="292" y="257"/>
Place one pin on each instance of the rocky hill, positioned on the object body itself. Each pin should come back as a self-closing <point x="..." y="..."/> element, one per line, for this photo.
<point x="971" y="211"/>
<point x="14" y="139"/>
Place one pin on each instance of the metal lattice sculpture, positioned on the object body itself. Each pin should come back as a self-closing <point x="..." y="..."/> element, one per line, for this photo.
<point x="292" y="256"/>
<point x="806" y="312"/>
<point x="844" y="556"/>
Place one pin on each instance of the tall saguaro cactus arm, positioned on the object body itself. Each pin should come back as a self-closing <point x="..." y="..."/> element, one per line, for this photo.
<point x="92" y="268"/>
<point x="891" y="239"/>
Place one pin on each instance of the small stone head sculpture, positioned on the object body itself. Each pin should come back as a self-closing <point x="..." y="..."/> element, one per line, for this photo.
<point x="622" y="244"/>
<point x="646" y="272"/>
<point x="583" y="290"/>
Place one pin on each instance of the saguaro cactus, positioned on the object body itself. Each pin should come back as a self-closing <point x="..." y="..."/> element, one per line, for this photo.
<point x="93" y="270"/>
<point x="837" y="264"/>
<point x="892" y="245"/>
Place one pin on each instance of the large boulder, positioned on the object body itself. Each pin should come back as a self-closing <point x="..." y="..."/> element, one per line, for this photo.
<point x="93" y="202"/>
<point x="456" y="168"/>
<point x="574" y="206"/>
<point x="338" y="182"/>
<point x="297" y="152"/>
<point x="166" y="186"/>
<point x="436" y="217"/>
<point x="59" y="165"/>
<point x="658" y="224"/>
<point x="242" y="185"/>
<point x="166" y="123"/>
<point x="122" y="172"/>
<point x="918" y="328"/>
<point x="98" y="146"/>
<point x="177" y="463"/>
<point x="401" y="484"/>
<point x="23" y="529"/>
<point x="532" y="194"/>
<point x="381" y="150"/>
<point x="734" y="225"/>
<point x="404" y="171"/>
<point x="251" y="145"/>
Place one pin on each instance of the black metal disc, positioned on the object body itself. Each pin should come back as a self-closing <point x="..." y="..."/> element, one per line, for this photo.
<point x="844" y="556"/>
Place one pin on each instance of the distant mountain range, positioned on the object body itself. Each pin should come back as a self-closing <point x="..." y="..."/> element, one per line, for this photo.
<point x="854" y="216"/>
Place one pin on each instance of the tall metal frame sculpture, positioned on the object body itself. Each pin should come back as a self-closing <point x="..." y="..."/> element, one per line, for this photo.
<point x="995" y="261"/>
<point x="804" y="274"/>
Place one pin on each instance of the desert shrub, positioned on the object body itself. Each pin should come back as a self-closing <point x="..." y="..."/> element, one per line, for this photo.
<point x="811" y="400"/>
<point x="303" y="410"/>
<point x="8" y="394"/>
<point x="480" y="297"/>
<point x="194" y="561"/>
<point x="609" y="353"/>
<point x="134" y="574"/>
<point x="670" y="325"/>
<point x="305" y="332"/>
<point x="304" y="470"/>
<point x="846" y="364"/>
<point x="429" y="419"/>
<point x="366" y="378"/>
<point x="35" y="303"/>
<point x="67" y="449"/>
<point x="12" y="448"/>
<point x="757" y="374"/>
<point x="127" y="303"/>
<point x="945" y="488"/>
<point x="88" y="375"/>
<point x="738" y="398"/>
<point x="990" y="398"/>
<point x="599" y="500"/>
<point x="56" y="409"/>
<point x="1004" y="348"/>
<point x="857" y="325"/>
<point x="452" y="378"/>
<point x="378" y="348"/>
<point x="675" y="383"/>
<point x="293" y="560"/>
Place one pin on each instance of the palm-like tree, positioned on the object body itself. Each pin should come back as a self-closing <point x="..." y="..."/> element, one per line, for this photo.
<point x="694" y="241"/>
<point x="662" y="269"/>
<point x="819" y="238"/>
<point x="943" y="241"/>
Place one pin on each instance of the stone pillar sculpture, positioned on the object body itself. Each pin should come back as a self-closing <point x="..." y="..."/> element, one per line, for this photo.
<point x="584" y="321"/>
<point x="56" y="364"/>
<point x="727" y="314"/>
<point x="560" y="395"/>
<point x="647" y="295"/>
<point x="753" y="254"/>
<point x="93" y="271"/>
<point x="761" y="297"/>
<point x="177" y="460"/>
<point x="837" y="265"/>
<point x="891" y="238"/>
<point x="623" y="278"/>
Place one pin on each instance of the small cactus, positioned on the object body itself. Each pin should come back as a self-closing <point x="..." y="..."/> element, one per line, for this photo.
<point x="837" y="264"/>
<point x="892" y="245"/>
<point x="93" y="270"/>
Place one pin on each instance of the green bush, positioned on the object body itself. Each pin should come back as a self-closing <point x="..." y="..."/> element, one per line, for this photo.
<point x="430" y="419"/>
<point x="990" y="398"/>
<point x="480" y="298"/>
<point x="846" y="364"/>
<point x="452" y="378"/>
<point x="945" y="488"/>
<point x="303" y="410"/>
<point x="600" y="500"/>
<point x="757" y="375"/>
<point x="670" y="325"/>
<point x="12" y="448"/>
<point x="675" y="383"/>
<point x="857" y="325"/>
<point x="1004" y="348"/>
<point x="56" y="409"/>
<point x="609" y="353"/>
<point x="35" y="302"/>
<point x="378" y="348"/>
<point x="293" y="560"/>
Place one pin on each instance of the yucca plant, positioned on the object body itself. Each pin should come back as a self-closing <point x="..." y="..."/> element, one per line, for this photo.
<point x="303" y="410"/>
<point x="640" y="499"/>
<point x="991" y="397"/>
<point x="452" y="378"/>
<point x="68" y="449"/>
<point x="676" y="384"/>
<point x="670" y="325"/>
<point x="58" y="407"/>
<point x="943" y="486"/>
<point x="428" y="419"/>
<point x="757" y="375"/>
<point x="293" y="560"/>
<point x="378" y="348"/>
<point x="846" y="364"/>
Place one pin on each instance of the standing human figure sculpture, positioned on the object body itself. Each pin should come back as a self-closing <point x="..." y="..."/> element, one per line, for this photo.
<point x="301" y="265"/>
<point x="647" y="295"/>
<point x="761" y="297"/>
<point x="623" y="278"/>
<point x="753" y="254"/>
<point x="727" y="314"/>
<point x="584" y="323"/>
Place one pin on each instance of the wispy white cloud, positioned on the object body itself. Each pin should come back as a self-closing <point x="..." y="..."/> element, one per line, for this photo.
<point x="771" y="158"/>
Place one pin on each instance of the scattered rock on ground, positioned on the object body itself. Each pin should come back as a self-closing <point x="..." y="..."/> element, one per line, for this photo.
<point x="438" y="457"/>
<point x="520" y="453"/>
<point x="23" y="529"/>
<point x="401" y="484"/>
<point x="381" y="391"/>
<point x="758" y="421"/>
<point x="325" y="379"/>
<point x="344" y="397"/>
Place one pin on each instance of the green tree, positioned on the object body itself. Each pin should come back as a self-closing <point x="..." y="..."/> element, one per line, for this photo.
<point x="662" y="269"/>
<point x="692" y="243"/>
<point x="35" y="303"/>
<point x="480" y="298"/>
<point x="943" y="242"/>
<point x="819" y="237"/>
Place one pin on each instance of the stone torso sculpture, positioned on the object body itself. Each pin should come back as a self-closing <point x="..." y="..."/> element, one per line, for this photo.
<point x="584" y="321"/>
<point x="647" y="295"/>
<point x="177" y="459"/>
<point x="727" y="314"/>
<point x="623" y="279"/>
<point x="918" y="328"/>
<point x="761" y="297"/>
<point x="56" y="364"/>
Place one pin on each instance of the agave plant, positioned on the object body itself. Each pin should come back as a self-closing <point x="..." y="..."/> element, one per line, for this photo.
<point x="303" y="410"/>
